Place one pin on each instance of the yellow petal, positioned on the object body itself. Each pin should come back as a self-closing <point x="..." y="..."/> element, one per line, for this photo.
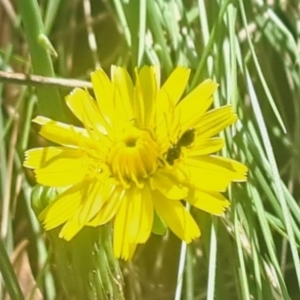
<point x="123" y="92"/>
<point x="147" y="85"/>
<point x="141" y="218"/>
<point x="168" y="186"/>
<point x="176" y="217"/>
<point x="64" y="206"/>
<point x="70" y="229"/>
<point x="167" y="122"/>
<point x="103" y="89"/>
<point x="213" y="172"/>
<point x="195" y="104"/>
<point x="148" y="215"/>
<point x="176" y="84"/>
<point x="133" y="222"/>
<point x="235" y="170"/>
<point x="134" y="215"/>
<point x="121" y="227"/>
<point x="215" y="121"/>
<point x="64" y="134"/>
<point x="207" y="180"/>
<point x="57" y="166"/>
<point x="163" y="119"/>
<point x="132" y="248"/>
<point x="93" y="196"/>
<point x="205" y="146"/>
<point x="110" y="208"/>
<point x="211" y="202"/>
<point x="85" y="109"/>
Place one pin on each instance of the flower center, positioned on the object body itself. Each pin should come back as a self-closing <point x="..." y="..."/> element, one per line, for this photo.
<point x="134" y="157"/>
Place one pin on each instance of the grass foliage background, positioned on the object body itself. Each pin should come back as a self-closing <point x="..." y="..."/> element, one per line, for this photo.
<point x="252" y="49"/>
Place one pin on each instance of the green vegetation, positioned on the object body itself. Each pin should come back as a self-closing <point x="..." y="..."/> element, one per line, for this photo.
<point x="251" y="48"/>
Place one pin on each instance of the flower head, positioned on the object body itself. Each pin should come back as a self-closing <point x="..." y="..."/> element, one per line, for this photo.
<point x="142" y="150"/>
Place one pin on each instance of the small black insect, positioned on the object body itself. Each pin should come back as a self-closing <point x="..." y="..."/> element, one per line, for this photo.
<point x="185" y="140"/>
<point x="173" y="153"/>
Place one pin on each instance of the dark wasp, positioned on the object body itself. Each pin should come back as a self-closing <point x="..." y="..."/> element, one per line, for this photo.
<point x="185" y="140"/>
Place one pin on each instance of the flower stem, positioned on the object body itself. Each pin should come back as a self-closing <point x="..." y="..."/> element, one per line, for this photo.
<point x="86" y="266"/>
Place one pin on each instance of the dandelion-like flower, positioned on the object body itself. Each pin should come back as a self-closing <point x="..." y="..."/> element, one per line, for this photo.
<point x="141" y="151"/>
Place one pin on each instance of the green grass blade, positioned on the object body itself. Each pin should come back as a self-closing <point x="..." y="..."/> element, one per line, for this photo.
<point x="50" y="102"/>
<point x="9" y="276"/>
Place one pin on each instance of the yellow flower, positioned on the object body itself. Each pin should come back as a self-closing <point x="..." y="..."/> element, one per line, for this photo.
<point x="142" y="150"/>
